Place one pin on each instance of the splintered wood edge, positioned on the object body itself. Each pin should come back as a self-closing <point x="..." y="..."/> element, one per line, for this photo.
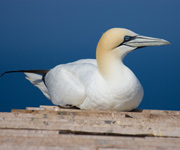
<point x="34" y="108"/>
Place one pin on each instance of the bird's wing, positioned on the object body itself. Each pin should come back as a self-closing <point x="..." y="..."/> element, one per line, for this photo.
<point x="64" y="87"/>
<point x="67" y="83"/>
<point x="87" y="61"/>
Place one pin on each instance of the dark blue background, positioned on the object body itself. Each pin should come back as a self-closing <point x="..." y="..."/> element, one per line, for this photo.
<point x="39" y="34"/>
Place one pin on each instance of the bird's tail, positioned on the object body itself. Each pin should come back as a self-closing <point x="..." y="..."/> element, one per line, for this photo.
<point x="34" y="77"/>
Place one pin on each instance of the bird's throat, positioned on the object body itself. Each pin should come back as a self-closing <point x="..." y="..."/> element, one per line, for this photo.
<point x="110" y="66"/>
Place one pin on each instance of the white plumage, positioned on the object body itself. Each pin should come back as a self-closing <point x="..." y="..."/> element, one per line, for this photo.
<point x="104" y="83"/>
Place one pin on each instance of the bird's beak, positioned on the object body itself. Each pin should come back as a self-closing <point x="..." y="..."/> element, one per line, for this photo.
<point x="143" y="41"/>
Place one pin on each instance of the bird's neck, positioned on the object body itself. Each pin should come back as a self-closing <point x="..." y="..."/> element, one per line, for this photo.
<point x="110" y="65"/>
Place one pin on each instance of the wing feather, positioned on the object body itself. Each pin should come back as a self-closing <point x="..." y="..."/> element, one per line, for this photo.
<point x="64" y="88"/>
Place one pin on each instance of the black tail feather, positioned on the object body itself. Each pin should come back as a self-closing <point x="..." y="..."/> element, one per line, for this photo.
<point x="43" y="72"/>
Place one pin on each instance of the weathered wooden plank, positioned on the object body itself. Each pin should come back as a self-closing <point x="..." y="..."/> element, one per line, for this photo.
<point x="52" y="109"/>
<point x="143" y="118"/>
<point x="165" y="112"/>
<point x="28" y="133"/>
<point x="126" y="123"/>
<point x="165" y="122"/>
<point x="100" y="114"/>
<point x="51" y="127"/>
<point x="63" y="141"/>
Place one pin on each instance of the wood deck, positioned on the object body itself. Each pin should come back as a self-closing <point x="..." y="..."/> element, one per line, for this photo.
<point x="49" y="127"/>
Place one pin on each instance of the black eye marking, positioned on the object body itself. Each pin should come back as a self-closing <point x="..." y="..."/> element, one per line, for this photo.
<point x="126" y="39"/>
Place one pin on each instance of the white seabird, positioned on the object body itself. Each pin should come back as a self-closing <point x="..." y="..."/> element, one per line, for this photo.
<point x="104" y="83"/>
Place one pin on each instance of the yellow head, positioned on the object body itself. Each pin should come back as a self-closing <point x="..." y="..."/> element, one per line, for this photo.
<point x="116" y="43"/>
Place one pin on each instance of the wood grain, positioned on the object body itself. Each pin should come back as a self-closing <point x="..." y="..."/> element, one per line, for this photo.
<point x="51" y="127"/>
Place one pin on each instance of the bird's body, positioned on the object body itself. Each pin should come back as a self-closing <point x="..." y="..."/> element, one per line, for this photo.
<point x="80" y="84"/>
<point x="102" y="84"/>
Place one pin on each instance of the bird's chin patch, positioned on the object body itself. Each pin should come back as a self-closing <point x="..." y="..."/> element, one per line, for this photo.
<point x="140" y="47"/>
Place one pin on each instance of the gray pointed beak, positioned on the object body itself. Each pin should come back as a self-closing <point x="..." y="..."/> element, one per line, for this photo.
<point x="143" y="41"/>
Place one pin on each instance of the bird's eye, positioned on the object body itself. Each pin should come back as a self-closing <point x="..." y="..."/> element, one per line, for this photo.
<point x="127" y="38"/>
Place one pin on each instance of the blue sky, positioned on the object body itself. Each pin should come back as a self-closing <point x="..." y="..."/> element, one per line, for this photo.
<point x="40" y="34"/>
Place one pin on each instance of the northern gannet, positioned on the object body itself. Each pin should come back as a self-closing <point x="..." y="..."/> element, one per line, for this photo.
<point x="104" y="83"/>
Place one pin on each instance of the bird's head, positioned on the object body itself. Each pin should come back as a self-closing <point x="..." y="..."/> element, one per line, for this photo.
<point x="115" y="44"/>
<point x="121" y="41"/>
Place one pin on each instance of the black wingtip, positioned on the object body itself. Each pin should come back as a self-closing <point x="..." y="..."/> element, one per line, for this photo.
<point x="2" y="74"/>
<point x="43" y="72"/>
<point x="6" y="72"/>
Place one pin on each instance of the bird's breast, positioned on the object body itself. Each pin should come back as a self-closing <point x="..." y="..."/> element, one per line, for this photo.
<point x="122" y="95"/>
